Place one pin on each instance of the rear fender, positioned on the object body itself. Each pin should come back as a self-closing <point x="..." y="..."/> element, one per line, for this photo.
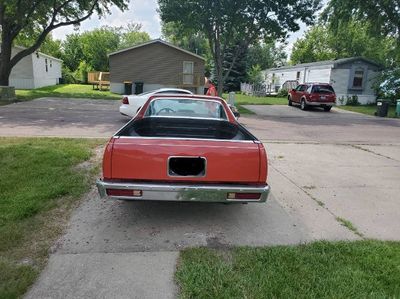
<point x="263" y="173"/>
<point x="107" y="159"/>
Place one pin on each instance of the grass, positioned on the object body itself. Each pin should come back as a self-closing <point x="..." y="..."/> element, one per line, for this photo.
<point x="40" y="181"/>
<point x="349" y="225"/>
<point x="242" y="99"/>
<point x="362" y="269"/>
<point x="66" y="91"/>
<point x="368" y="109"/>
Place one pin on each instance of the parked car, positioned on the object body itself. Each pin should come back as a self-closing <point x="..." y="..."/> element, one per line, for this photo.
<point x="132" y="103"/>
<point x="313" y="94"/>
<point x="184" y="148"/>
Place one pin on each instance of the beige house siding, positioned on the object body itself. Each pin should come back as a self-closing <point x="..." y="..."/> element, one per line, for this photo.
<point x="155" y="64"/>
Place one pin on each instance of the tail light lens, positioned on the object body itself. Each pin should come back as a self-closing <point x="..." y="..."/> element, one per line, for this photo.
<point x="244" y="196"/>
<point x="125" y="100"/>
<point x="124" y="192"/>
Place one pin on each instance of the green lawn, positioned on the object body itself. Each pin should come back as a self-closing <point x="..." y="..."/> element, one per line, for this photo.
<point x="66" y="91"/>
<point x="363" y="269"/>
<point x="242" y="99"/>
<point x="369" y="109"/>
<point x="40" y="180"/>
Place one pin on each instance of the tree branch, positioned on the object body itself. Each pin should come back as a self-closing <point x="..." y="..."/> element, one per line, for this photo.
<point x="46" y="31"/>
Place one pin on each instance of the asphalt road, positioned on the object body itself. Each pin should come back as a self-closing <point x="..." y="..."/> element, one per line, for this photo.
<point x="322" y="167"/>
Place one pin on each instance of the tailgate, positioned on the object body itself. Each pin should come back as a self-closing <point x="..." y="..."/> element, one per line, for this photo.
<point x="152" y="159"/>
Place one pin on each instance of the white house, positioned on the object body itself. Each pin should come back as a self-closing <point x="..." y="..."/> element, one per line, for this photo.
<point x="35" y="70"/>
<point x="348" y="76"/>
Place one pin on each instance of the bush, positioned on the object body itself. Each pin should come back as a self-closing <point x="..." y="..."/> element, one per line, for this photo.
<point x="283" y="93"/>
<point x="67" y="76"/>
<point x="352" y="101"/>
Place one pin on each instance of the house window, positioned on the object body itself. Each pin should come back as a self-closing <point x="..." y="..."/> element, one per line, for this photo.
<point x="51" y="63"/>
<point x="45" y="62"/>
<point x="358" y="78"/>
<point x="298" y="76"/>
<point x="188" y="71"/>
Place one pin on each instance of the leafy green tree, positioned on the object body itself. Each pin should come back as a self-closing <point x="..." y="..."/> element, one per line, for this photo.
<point x="353" y="39"/>
<point x="96" y="45"/>
<point x="41" y="16"/>
<point x="72" y="51"/>
<point x="265" y="55"/>
<point x="255" y="75"/>
<point x="237" y="24"/>
<point x="383" y="15"/>
<point x="238" y="72"/>
<point x="133" y="35"/>
<point x="49" y="46"/>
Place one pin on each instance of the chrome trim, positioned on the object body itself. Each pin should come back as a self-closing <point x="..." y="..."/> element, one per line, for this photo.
<point x="184" y="138"/>
<point x="177" y="98"/>
<point x="183" y="192"/>
<point x="188" y="176"/>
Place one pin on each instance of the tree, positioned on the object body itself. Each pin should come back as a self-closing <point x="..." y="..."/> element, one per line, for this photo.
<point x="383" y="15"/>
<point x="41" y="16"/>
<point x="352" y="39"/>
<point x="265" y="55"/>
<point x="133" y="35"/>
<point x="96" y="45"/>
<point x="72" y="51"/>
<point x="237" y="24"/>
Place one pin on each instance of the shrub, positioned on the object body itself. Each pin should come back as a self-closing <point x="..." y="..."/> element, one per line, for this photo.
<point x="283" y="93"/>
<point x="352" y="101"/>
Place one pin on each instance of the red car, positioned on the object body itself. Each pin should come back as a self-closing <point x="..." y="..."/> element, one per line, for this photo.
<point x="313" y="94"/>
<point x="185" y="148"/>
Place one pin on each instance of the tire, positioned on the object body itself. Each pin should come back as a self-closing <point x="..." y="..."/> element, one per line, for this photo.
<point x="328" y="108"/>
<point x="290" y="101"/>
<point x="303" y="105"/>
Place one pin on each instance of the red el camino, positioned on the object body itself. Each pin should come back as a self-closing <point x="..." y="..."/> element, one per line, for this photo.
<point x="185" y="148"/>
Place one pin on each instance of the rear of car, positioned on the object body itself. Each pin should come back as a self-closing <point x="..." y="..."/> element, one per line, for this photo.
<point x="313" y="94"/>
<point x="185" y="149"/>
<point x="321" y="95"/>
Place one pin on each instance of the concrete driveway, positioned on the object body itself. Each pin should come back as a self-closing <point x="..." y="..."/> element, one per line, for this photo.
<point x="324" y="168"/>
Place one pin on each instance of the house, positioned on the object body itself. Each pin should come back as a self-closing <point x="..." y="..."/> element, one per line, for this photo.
<point x="35" y="70"/>
<point x="156" y="64"/>
<point x="348" y="76"/>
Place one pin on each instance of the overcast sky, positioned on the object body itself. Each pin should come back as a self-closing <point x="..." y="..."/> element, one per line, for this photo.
<point x="144" y="12"/>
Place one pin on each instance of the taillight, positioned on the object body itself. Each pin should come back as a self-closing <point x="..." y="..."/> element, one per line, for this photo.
<point x="125" y="100"/>
<point x="243" y="196"/>
<point x="124" y="192"/>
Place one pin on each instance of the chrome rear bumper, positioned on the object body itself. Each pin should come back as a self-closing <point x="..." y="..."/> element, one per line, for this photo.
<point x="180" y="192"/>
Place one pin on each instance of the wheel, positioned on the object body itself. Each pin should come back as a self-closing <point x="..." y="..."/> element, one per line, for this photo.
<point x="303" y="105"/>
<point x="290" y="101"/>
<point x="328" y="108"/>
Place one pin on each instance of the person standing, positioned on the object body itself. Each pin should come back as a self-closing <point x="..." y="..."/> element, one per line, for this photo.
<point x="211" y="90"/>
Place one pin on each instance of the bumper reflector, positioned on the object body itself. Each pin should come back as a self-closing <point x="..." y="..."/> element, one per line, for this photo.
<point x="250" y="196"/>
<point x="124" y="192"/>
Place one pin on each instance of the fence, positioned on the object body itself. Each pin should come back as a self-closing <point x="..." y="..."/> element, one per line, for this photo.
<point x="258" y="90"/>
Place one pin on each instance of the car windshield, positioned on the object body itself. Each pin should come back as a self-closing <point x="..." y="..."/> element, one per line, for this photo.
<point x="322" y="89"/>
<point x="186" y="108"/>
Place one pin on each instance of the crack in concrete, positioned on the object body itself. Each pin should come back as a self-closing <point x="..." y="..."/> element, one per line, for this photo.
<point x="372" y="152"/>
<point x="320" y="203"/>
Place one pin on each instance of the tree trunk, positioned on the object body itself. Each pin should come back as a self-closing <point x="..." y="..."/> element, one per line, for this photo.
<point x="5" y="65"/>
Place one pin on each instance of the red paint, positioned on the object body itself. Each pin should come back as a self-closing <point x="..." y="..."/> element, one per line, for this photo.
<point x="146" y="159"/>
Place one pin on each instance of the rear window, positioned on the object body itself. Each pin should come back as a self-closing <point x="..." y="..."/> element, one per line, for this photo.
<point x="322" y="89"/>
<point x="185" y="108"/>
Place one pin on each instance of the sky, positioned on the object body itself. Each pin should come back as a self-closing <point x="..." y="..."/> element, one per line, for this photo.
<point x="144" y="12"/>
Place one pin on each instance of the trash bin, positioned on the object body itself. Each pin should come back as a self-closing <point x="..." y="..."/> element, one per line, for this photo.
<point x="382" y="108"/>
<point x="398" y="108"/>
<point x="127" y="87"/>
<point x="138" y="87"/>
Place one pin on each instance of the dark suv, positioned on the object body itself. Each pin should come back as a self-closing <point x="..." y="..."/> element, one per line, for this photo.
<point x="313" y="94"/>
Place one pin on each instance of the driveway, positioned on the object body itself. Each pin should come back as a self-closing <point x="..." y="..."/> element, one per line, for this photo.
<point x="324" y="168"/>
<point x="61" y="118"/>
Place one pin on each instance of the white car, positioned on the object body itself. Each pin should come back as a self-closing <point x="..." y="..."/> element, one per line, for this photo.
<point x="132" y="103"/>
